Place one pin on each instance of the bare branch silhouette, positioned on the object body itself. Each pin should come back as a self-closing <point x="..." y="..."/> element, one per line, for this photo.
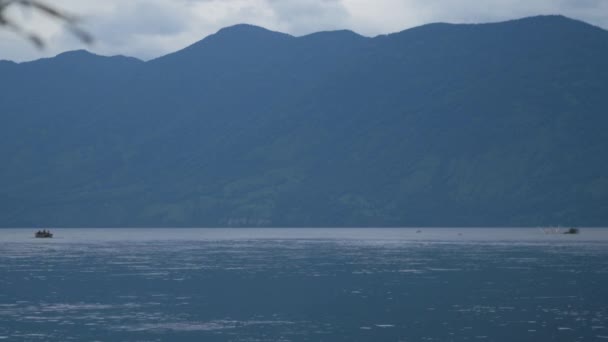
<point x="71" y="21"/>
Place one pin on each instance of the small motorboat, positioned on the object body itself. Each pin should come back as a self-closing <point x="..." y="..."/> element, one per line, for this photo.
<point x="572" y="231"/>
<point x="43" y="234"/>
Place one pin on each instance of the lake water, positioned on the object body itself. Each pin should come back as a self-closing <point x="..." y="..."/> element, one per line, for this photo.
<point x="304" y="285"/>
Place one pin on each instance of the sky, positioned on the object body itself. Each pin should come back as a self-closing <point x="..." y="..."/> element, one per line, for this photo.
<point x="147" y="29"/>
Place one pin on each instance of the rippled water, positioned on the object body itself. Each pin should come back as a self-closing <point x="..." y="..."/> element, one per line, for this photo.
<point x="304" y="285"/>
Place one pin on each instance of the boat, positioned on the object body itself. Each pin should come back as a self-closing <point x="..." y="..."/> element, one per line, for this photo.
<point x="572" y="231"/>
<point x="43" y="234"/>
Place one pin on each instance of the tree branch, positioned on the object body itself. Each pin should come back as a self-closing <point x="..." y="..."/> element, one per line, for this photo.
<point x="50" y="11"/>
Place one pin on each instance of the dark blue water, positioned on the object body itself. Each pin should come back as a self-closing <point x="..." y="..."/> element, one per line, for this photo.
<point x="304" y="285"/>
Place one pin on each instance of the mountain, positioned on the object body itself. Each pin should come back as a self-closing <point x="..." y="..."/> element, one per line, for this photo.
<point x="501" y="124"/>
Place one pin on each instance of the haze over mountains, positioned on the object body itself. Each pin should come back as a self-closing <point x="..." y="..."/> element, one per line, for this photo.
<point x="499" y="124"/>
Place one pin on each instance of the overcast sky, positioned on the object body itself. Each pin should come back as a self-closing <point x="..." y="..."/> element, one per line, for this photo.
<point x="152" y="28"/>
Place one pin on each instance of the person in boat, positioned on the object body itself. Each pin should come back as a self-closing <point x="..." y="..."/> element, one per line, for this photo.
<point x="43" y="232"/>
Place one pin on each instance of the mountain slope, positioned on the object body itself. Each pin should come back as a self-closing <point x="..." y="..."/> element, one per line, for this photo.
<point x="478" y="125"/>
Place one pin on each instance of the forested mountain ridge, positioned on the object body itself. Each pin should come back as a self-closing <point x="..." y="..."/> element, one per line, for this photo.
<point x="499" y="124"/>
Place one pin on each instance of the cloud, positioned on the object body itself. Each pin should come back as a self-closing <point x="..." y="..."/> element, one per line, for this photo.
<point x="387" y="16"/>
<point x="142" y="27"/>
<point x="301" y="17"/>
<point x="151" y="28"/>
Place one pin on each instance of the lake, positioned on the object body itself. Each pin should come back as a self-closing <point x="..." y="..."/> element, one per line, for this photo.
<point x="440" y="284"/>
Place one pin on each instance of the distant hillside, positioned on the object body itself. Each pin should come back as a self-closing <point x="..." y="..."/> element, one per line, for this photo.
<point x="500" y="124"/>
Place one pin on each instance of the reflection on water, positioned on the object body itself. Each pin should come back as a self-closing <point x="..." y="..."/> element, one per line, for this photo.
<point x="304" y="285"/>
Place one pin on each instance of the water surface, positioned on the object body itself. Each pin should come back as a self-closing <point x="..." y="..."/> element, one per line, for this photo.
<point x="304" y="285"/>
